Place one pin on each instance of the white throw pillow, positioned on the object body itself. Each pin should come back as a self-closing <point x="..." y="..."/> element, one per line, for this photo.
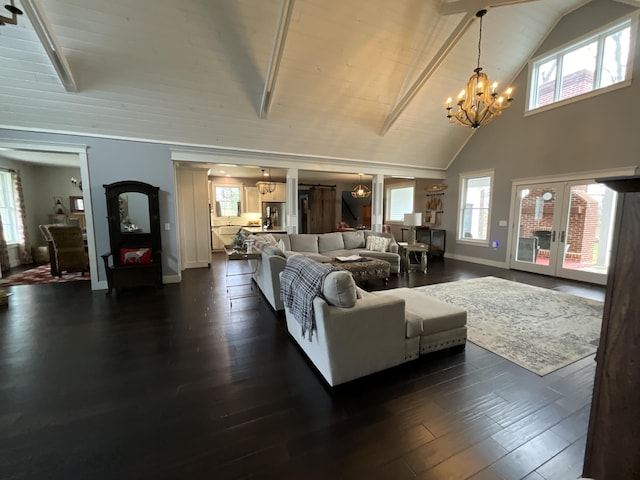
<point x="339" y="289"/>
<point x="281" y="245"/>
<point x="377" y="244"/>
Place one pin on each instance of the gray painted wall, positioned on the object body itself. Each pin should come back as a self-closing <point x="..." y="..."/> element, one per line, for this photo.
<point x="115" y="160"/>
<point x="588" y="135"/>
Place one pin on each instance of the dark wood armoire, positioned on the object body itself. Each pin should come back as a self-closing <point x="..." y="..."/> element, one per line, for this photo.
<point x="133" y="213"/>
<point x="613" y="438"/>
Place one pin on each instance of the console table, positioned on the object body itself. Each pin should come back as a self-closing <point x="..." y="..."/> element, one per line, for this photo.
<point x="435" y="238"/>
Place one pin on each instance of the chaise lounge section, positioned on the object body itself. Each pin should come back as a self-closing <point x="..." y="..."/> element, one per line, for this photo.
<point x="358" y="333"/>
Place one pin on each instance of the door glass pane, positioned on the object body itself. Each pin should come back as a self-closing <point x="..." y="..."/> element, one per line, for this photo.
<point x="578" y="71"/>
<point x="536" y="224"/>
<point x="589" y="230"/>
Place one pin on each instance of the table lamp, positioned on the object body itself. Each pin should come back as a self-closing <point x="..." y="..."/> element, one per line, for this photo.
<point x="412" y="220"/>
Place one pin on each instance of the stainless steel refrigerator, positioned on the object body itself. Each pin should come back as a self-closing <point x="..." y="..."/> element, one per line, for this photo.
<point x="274" y="215"/>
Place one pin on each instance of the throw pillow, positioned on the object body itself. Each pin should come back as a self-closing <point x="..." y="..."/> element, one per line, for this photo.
<point x="130" y="256"/>
<point x="281" y="245"/>
<point x="377" y="244"/>
<point x="339" y="289"/>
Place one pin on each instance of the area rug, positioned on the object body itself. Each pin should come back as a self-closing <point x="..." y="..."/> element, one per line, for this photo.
<point x="41" y="274"/>
<point x="539" y="329"/>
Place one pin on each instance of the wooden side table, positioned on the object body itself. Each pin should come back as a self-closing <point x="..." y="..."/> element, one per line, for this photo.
<point x="408" y="259"/>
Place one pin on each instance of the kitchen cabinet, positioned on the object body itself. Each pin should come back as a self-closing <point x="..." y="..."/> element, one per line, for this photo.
<point x="251" y="200"/>
<point x="278" y="195"/>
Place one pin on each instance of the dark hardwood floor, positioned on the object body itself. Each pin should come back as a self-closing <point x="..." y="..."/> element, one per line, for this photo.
<point x="172" y="383"/>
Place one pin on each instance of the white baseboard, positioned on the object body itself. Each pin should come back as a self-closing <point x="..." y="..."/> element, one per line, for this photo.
<point x="480" y="261"/>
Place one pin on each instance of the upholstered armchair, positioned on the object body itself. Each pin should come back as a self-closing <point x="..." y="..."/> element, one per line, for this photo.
<point x="69" y="254"/>
<point x="44" y="229"/>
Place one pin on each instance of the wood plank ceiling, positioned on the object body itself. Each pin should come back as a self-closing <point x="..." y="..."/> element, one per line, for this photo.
<point x="193" y="72"/>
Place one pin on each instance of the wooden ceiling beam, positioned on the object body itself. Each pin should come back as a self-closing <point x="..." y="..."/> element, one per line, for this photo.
<point x="43" y="29"/>
<point x="428" y="71"/>
<point x="473" y="6"/>
<point x="276" y="57"/>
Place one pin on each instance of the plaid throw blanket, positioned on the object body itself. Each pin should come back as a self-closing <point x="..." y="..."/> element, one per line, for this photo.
<point x="302" y="280"/>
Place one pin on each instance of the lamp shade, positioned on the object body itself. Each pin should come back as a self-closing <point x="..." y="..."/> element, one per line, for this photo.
<point x="412" y="219"/>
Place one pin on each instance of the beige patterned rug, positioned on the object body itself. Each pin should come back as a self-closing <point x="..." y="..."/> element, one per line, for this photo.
<point x="539" y="329"/>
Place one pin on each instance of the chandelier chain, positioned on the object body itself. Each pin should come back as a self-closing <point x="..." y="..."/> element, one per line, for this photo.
<point x="480" y="38"/>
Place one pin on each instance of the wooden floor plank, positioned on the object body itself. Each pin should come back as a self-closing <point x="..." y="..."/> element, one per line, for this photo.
<point x="176" y="383"/>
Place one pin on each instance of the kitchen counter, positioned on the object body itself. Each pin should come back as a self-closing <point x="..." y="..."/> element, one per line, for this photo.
<point x="258" y="230"/>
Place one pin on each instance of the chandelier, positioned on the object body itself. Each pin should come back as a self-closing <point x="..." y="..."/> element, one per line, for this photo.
<point x="13" y="19"/>
<point x="361" y="190"/>
<point x="478" y="104"/>
<point x="266" y="187"/>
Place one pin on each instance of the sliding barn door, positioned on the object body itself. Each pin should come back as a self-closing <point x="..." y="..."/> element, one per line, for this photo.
<point x="322" y="210"/>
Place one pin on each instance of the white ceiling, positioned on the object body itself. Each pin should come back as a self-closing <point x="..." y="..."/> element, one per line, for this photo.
<point x="54" y="159"/>
<point x="192" y="72"/>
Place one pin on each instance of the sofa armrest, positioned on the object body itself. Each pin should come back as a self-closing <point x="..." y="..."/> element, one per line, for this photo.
<point x="360" y="340"/>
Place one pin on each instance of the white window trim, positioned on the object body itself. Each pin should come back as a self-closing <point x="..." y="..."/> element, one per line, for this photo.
<point x="633" y="17"/>
<point x="462" y="191"/>
<point x="387" y="202"/>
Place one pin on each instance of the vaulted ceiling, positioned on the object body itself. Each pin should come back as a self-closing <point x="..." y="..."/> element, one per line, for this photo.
<point x="193" y="72"/>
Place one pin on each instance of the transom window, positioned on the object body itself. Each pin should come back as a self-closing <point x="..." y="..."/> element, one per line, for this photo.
<point x="399" y="202"/>
<point x="475" y="207"/>
<point x="597" y="62"/>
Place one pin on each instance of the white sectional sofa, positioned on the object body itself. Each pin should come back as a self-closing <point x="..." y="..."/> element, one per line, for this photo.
<point x="359" y="333"/>
<point x="322" y="247"/>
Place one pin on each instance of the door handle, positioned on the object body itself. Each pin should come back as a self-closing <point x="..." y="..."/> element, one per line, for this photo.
<point x="562" y="237"/>
<point x="553" y="236"/>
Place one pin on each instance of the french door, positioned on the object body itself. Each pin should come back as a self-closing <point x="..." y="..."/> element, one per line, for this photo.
<point x="563" y="229"/>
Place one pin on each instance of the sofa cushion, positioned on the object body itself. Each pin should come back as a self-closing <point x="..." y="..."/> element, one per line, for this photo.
<point x="304" y="242"/>
<point x="353" y="239"/>
<point x="377" y="244"/>
<point x="285" y="239"/>
<point x="259" y="241"/>
<point x="413" y="321"/>
<point x="271" y="250"/>
<point x="330" y="241"/>
<point x="436" y="316"/>
<point x="339" y="289"/>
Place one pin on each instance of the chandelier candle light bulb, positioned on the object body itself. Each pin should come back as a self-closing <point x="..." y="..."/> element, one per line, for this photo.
<point x="478" y="105"/>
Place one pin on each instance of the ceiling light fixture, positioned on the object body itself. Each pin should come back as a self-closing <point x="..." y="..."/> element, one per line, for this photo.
<point x="479" y="103"/>
<point x="266" y="187"/>
<point x="13" y="19"/>
<point x="361" y="190"/>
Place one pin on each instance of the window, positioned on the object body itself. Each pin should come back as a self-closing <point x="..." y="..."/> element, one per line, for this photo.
<point x="475" y="207"/>
<point x="591" y="64"/>
<point x="227" y="201"/>
<point x="399" y="202"/>
<point x="8" y="208"/>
